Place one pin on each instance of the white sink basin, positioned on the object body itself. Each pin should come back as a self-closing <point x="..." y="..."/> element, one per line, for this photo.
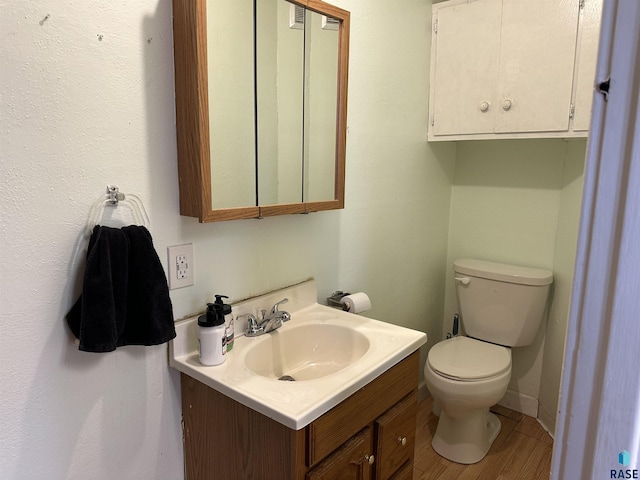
<point x="305" y="352"/>
<point x="329" y="353"/>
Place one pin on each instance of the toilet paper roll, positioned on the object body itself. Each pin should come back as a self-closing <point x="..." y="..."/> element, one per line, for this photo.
<point x="356" y="302"/>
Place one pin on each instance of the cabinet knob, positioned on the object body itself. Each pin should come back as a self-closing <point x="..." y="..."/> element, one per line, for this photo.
<point x="370" y="459"/>
<point x="484" y="106"/>
<point x="506" y="105"/>
<point x="402" y="441"/>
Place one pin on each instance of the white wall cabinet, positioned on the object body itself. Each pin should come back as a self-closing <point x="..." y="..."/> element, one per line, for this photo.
<point x="586" y="57"/>
<point x="512" y="68"/>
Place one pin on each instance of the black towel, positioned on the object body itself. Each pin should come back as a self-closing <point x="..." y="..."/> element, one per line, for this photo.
<point x="125" y="298"/>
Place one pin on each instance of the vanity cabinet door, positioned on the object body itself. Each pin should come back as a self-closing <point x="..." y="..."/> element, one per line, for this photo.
<point x="405" y="473"/>
<point x="395" y="437"/>
<point x="352" y="461"/>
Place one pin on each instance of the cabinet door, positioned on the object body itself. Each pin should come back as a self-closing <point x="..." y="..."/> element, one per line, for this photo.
<point x="349" y="462"/>
<point x="537" y="53"/>
<point x="587" y="59"/>
<point x="465" y="67"/>
<point x="404" y="473"/>
<point x="396" y="437"/>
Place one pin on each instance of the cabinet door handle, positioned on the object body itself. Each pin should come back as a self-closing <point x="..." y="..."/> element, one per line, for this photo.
<point x="484" y="106"/>
<point x="402" y="441"/>
<point x="370" y="459"/>
<point x="506" y="105"/>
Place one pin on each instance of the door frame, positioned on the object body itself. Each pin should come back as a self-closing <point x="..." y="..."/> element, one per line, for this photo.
<point x="599" y="413"/>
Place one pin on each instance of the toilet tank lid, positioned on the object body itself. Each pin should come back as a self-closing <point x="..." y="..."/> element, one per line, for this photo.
<point x="503" y="272"/>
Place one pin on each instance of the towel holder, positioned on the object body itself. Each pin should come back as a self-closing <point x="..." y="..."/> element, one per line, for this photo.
<point x="113" y="197"/>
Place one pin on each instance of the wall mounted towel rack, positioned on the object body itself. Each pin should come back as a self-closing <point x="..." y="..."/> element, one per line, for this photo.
<point x="114" y="198"/>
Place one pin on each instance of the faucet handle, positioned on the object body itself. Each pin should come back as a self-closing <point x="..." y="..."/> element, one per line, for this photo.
<point x="252" y="324"/>
<point x="274" y="309"/>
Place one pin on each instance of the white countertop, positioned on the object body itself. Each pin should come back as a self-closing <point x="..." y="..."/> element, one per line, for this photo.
<point x="294" y="404"/>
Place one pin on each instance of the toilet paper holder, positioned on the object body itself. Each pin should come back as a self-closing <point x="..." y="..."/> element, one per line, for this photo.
<point x="350" y="302"/>
<point x="334" y="299"/>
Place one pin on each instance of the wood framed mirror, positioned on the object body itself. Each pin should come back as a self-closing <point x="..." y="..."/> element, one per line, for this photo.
<point x="261" y="106"/>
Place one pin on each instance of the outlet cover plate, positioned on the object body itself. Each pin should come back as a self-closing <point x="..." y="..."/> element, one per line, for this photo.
<point x="181" y="266"/>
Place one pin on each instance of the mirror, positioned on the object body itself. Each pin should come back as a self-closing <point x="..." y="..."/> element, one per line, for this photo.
<point x="261" y="96"/>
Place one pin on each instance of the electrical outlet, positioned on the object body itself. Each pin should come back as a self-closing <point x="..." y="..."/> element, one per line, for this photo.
<point x="181" y="266"/>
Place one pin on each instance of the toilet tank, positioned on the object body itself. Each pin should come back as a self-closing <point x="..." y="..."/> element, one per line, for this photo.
<point x="501" y="303"/>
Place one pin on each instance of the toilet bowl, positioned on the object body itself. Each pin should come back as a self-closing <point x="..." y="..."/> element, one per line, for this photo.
<point x="501" y="306"/>
<point x="465" y="378"/>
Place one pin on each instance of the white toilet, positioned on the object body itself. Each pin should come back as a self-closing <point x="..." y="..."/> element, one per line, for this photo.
<point x="501" y="306"/>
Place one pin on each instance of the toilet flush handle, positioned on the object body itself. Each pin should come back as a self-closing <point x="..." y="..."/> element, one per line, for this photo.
<point x="462" y="280"/>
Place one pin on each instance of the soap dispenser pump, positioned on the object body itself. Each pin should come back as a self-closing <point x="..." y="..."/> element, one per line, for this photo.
<point x="212" y="338"/>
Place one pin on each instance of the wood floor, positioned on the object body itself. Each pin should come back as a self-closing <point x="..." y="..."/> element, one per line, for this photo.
<point x="522" y="450"/>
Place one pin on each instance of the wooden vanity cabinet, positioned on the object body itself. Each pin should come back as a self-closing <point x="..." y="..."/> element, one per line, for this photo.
<point x="370" y="435"/>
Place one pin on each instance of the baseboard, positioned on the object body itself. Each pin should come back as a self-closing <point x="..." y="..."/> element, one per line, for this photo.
<point x="547" y="420"/>
<point x="520" y="403"/>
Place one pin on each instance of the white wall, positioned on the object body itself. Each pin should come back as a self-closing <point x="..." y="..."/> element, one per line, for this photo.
<point x="563" y="265"/>
<point x="86" y="94"/>
<point x="518" y="201"/>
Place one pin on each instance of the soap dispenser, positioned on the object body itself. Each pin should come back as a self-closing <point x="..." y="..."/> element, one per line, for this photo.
<point x="228" y="319"/>
<point x="212" y="337"/>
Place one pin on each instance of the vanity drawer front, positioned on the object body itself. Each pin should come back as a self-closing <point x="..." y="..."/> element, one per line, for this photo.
<point x="396" y="435"/>
<point x="346" y="419"/>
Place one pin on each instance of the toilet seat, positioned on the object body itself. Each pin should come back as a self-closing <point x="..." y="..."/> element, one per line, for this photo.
<point x="466" y="359"/>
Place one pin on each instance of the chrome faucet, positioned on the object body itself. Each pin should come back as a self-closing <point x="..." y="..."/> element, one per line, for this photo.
<point x="269" y="322"/>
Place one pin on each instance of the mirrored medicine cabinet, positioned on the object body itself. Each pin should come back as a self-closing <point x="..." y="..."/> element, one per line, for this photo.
<point x="261" y="105"/>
